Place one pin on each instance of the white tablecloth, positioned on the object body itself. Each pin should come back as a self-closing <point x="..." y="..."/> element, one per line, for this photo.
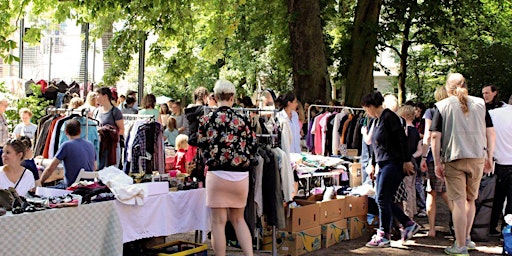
<point x="92" y="229"/>
<point x="166" y="214"/>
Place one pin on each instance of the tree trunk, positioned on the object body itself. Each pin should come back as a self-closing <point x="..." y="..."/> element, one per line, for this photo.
<point x="404" y="54"/>
<point x="310" y="77"/>
<point x="362" y="58"/>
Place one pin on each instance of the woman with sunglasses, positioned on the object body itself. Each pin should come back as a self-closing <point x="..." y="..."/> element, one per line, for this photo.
<point x="12" y="174"/>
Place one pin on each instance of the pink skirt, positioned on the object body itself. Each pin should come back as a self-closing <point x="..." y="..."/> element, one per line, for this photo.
<point x="221" y="193"/>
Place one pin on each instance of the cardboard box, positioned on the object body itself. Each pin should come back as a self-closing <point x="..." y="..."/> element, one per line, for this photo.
<point x="335" y="232"/>
<point x="298" y="243"/>
<point x="357" y="226"/>
<point x="356" y="206"/>
<point x="356" y="176"/>
<point x="155" y="188"/>
<point x="303" y="217"/>
<point x="331" y="211"/>
<point x="352" y="152"/>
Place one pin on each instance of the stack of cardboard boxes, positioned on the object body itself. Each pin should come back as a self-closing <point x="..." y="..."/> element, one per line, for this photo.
<point x="314" y="225"/>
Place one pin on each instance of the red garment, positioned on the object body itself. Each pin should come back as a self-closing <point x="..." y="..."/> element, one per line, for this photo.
<point x="180" y="163"/>
<point x="109" y="137"/>
<point x="191" y="154"/>
<point x="46" y="150"/>
<point x="43" y="84"/>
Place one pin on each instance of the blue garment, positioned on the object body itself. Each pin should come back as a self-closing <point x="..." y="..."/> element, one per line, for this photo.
<point x="365" y="159"/>
<point x="171" y="136"/>
<point x="388" y="179"/>
<point x="76" y="154"/>
<point x="91" y="130"/>
<point x="420" y="191"/>
<point x="60" y="98"/>
<point x="30" y="165"/>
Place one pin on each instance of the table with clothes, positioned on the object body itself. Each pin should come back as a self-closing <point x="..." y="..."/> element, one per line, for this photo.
<point x="92" y="229"/>
<point x="310" y="166"/>
<point x="165" y="214"/>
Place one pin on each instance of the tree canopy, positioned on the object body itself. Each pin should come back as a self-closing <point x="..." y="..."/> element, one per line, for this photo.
<point x="285" y="45"/>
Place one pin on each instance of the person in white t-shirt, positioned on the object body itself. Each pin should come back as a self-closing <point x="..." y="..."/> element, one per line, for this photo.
<point x="25" y="128"/>
<point x="12" y="174"/>
<point x="503" y="165"/>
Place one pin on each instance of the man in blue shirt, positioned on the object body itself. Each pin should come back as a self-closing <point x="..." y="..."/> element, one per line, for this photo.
<point x="76" y="153"/>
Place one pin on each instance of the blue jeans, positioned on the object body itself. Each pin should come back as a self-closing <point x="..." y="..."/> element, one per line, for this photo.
<point x="388" y="179"/>
<point x="503" y="191"/>
<point x="365" y="158"/>
<point x="420" y="192"/>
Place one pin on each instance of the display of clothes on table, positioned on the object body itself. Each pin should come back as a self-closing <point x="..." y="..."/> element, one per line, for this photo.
<point x="51" y="133"/>
<point x="330" y="132"/>
<point x="144" y="146"/>
<point x="308" y="166"/>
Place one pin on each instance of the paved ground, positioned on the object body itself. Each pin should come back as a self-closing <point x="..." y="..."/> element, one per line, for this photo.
<point x="420" y="245"/>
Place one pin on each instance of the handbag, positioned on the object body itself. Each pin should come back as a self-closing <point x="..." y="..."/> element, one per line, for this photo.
<point x="9" y="198"/>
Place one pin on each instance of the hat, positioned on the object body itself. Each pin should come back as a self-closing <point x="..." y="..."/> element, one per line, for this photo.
<point x="130" y="92"/>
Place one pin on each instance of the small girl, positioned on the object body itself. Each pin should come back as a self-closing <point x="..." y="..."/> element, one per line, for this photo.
<point x="180" y="162"/>
<point x="171" y="132"/>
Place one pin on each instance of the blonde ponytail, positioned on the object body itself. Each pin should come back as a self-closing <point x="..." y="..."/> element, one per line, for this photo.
<point x="456" y="85"/>
<point x="462" y="95"/>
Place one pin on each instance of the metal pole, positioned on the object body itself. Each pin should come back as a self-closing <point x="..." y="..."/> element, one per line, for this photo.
<point x="86" y="55"/>
<point x="94" y="61"/>
<point x="50" y="60"/>
<point x="142" y="56"/>
<point x="22" y="33"/>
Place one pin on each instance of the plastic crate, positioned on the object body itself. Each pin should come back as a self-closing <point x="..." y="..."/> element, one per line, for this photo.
<point x="180" y="248"/>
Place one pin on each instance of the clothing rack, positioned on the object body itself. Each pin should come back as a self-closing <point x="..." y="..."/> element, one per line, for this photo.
<point x="351" y="109"/>
<point x="84" y="112"/>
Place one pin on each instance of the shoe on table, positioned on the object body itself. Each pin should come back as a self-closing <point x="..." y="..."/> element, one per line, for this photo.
<point x="379" y="240"/>
<point x="408" y="232"/>
<point x="457" y="251"/>
<point x="470" y="245"/>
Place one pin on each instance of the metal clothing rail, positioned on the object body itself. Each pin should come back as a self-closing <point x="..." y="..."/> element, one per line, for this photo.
<point x="137" y="116"/>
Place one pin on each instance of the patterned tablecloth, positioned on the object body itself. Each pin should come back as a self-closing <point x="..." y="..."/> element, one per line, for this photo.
<point x="92" y="229"/>
<point x="165" y="214"/>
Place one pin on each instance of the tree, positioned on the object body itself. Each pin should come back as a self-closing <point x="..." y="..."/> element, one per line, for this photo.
<point x="311" y="81"/>
<point x="363" y="44"/>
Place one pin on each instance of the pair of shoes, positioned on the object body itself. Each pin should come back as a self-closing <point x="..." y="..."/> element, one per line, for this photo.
<point x="379" y="240"/>
<point x="458" y="251"/>
<point x="470" y="244"/>
<point x="421" y="214"/>
<point x="494" y="233"/>
<point x="408" y="232"/>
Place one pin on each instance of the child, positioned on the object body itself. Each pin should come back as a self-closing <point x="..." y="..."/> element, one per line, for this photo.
<point x="171" y="132"/>
<point x="415" y="147"/>
<point x="25" y="128"/>
<point x="180" y="164"/>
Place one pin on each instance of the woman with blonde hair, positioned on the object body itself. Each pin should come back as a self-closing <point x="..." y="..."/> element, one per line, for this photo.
<point x="228" y="143"/>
